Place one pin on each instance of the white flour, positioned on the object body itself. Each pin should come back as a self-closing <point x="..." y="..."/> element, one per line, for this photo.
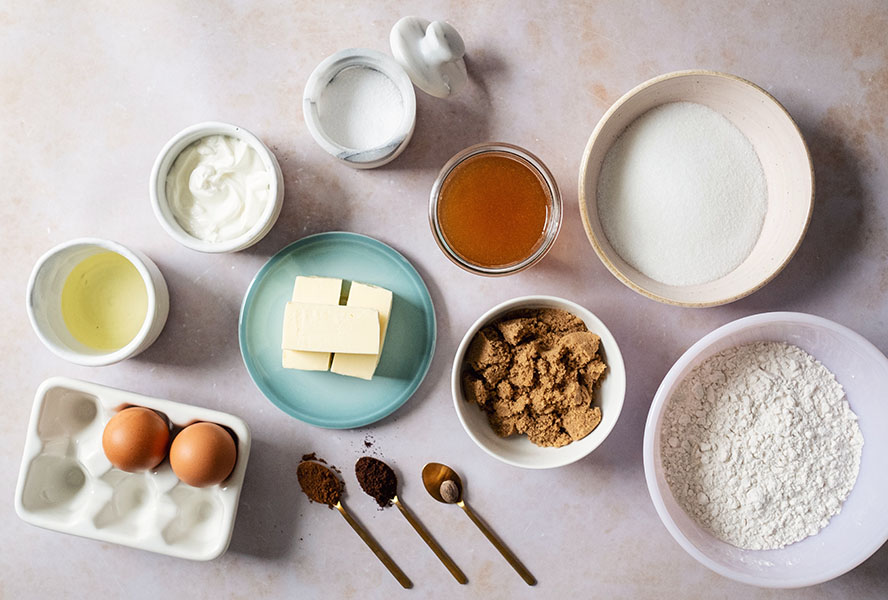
<point x="760" y="446"/>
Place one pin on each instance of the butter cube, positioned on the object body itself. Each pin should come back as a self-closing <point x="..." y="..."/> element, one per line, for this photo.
<point x="314" y="290"/>
<point x="379" y="299"/>
<point x="317" y="290"/>
<point x="325" y="328"/>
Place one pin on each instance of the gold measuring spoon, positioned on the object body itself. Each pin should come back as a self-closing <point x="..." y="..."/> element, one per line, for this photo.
<point x="436" y="474"/>
<point x="371" y="470"/>
<point x="321" y="485"/>
<point x="375" y="547"/>
<point x="428" y="539"/>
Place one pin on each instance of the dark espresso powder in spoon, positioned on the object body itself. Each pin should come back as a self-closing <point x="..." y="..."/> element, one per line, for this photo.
<point x="319" y="483"/>
<point x="377" y="479"/>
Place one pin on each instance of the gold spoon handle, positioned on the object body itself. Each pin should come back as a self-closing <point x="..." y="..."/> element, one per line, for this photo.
<point x="507" y="554"/>
<point x="428" y="539"/>
<point x="375" y="547"/>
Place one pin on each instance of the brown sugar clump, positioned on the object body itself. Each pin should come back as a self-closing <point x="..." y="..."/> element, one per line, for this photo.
<point x="533" y="372"/>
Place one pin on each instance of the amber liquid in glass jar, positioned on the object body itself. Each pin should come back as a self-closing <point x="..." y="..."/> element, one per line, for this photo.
<point x="492" y="210"/>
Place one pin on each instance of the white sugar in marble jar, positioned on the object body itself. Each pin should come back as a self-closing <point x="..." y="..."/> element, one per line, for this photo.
<point x="359" y="106"/>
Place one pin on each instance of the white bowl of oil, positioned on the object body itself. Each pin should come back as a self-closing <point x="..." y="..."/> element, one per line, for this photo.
<point x="95" y="302"/>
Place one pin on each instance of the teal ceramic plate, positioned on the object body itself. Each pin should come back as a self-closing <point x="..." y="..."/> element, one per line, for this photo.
<point x="327" y="399"/>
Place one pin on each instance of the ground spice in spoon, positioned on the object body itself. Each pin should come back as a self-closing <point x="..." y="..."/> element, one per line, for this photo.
<point x="377" y="479"/>
<point x="319" y="483"/>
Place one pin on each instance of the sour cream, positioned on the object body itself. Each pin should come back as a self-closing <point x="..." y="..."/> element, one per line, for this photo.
<point x="218" y="188"/>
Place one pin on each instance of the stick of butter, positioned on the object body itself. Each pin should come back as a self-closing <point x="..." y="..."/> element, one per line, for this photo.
<point x="325" y="328"/>
<point x="379" y="299"/>
<point x="314" y="290"/>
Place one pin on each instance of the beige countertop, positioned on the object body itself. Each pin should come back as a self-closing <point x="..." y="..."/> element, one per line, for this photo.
<point x="90" y="92"/>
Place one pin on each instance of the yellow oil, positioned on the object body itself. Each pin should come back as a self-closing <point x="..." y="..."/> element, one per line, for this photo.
<point x="104" y="301"/>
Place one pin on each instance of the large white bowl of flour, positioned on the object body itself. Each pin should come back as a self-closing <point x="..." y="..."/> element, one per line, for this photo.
<point x="861" y="526"/>
<point x="696" y="188"/>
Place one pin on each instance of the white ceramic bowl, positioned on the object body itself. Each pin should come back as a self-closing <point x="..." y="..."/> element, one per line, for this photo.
<point x="517" y="450"/>
<point x="44" y="303"/>
<point x="325" y="72"/>
<point x="862" y="525"/>
<point x="780" y="148"/>
<point x="164" y="162"/>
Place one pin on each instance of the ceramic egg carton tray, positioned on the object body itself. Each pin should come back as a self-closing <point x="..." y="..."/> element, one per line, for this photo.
<point x="67" y="484"/>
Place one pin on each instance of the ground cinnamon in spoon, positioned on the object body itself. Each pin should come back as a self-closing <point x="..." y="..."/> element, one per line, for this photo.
<point x="319" y="483"/>
<point x="377" y="479"/>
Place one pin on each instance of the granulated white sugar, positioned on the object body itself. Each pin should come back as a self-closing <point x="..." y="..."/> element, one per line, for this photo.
<point x="682" y="195"/>
<point x="360" y="108"/>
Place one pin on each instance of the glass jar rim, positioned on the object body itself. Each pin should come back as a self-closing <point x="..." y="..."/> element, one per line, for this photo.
<point x="553" y="216"/>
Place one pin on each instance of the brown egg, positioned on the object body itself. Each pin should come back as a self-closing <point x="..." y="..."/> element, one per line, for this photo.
<point x="135" y="439"/>
<point x="203" y="454"/>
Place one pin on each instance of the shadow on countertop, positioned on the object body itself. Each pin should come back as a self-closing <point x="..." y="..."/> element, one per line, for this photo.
<point x="314" y="202"/>
<point x="193" y="335"/>
<point x="444" y="126"/>
<point x="836" y="231"/>
<point x="266" y="524"/>
<point x="873" y="570"/>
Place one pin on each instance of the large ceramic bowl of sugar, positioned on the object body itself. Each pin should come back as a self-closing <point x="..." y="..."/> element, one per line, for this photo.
<point x="785" y="163"/>
<point x="861" y="527"/>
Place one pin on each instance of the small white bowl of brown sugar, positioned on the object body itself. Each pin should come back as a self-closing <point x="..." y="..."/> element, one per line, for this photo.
<point x="538" y="382"/>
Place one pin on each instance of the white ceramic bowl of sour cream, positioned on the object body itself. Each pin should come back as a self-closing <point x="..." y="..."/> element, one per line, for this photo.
<point x="255" y="229"/>
<point x="861" y="527"/>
